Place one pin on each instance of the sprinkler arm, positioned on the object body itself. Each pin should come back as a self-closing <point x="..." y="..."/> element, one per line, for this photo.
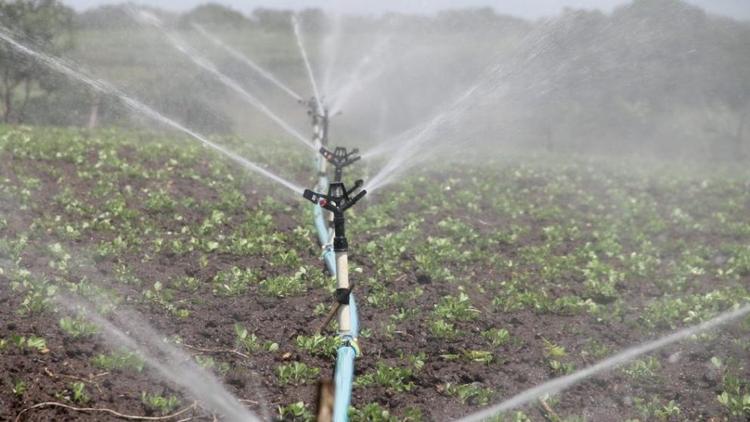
<point x="339" y="159"/>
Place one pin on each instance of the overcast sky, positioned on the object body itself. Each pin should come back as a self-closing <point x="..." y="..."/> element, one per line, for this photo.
<point x="526" y="8"/>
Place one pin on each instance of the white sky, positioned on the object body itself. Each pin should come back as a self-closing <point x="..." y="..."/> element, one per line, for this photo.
<point x="739" y="9"/>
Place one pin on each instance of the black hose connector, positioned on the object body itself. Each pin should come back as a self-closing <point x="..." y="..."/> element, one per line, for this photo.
<point x="337" y="201"/>
<point x="339" y="159"/>
<point x="342" y="296"/>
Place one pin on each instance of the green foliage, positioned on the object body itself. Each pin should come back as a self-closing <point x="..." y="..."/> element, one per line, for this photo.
<point x="371" y="412"/>
<point x="456" y="308"/>
<point x="246" y="341"/>
<point x="119" y="360"/>
<point x="208" y="362"/>
<point x="159" y="404"/>
<point x="473" y="394"/>
<point x="391" y="377"/>
<point x="296" y="373"/>
<point x="19" y="388"/>
<point x="736" y="396"/>
<point x="77" y="327"/>
<point x="296" y="412"/>
<point x="319" y="345"/>
<point x="78" y="393"/>
<point x="28" y="343"/>
<point x="656" y="409"/>
<point x="232" y="282"/>
<point x="496" y="336"/>
<point x="643" y="370"/>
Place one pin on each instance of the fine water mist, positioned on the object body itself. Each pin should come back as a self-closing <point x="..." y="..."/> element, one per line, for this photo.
<point x="413" y="146"/>
<point x="129" y="331"/>
<point x="559" y="384"/>
<point x="203" y="63"/>
<point x="249" y="63"/>
<point x="138" y="107"/>
<point x="306" y="60"/>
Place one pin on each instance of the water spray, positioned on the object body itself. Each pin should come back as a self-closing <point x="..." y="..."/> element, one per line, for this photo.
<point x="308" y="66"/>
<point x="181" y="46"/>
<point x="134" y="105"/>
<point x="244" y="59"/>
<point x="337" y="201"/>
<point x="559" y="384"/>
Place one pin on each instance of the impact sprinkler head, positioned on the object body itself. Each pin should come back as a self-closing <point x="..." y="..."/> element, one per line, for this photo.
<point x="337" y="201"/>
<point x="339" y="159"/>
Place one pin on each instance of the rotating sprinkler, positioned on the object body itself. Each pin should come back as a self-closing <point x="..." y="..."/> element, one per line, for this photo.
<point x="337" y="201"/>
<point x="318" y="114"/>
<point x="339" y="159"/>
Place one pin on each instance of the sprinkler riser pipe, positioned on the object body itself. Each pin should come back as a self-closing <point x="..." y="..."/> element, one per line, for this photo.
<point x="342" y="282"/>
<point x="322" y="219"/>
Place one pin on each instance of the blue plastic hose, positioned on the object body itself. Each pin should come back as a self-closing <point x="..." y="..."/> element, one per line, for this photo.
<point x="344" y="378"/>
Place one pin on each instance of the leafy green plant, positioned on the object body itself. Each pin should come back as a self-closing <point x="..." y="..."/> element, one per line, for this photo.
<point x="443" y="329"/>
<point x="736" y="396"/>
<point x="208" y="362"/>
<point x="232" y="282"/>
<point x="391" y="377"/>
<point x="371" y="412"/>
<point x="456" y="308"/>
<point x="246" y="341"/>
<point x="19" y="388"/>
<point x="77" y="327"/>
<point x="296" y="373"/>
<point x="119" y="360"/>
<point x="473" y="393"/>
<point x="318" y="345"/>
<point x="296" y="412"/>
<point x="78" y="393"/>
<point x="496" y="336"/>
<point x="643" y="369"/>
<point x="161" y="405"/>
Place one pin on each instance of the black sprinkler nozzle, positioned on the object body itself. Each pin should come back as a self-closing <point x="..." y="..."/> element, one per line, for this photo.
<point x="339" y="159"/>
<point x="337" y="201"/>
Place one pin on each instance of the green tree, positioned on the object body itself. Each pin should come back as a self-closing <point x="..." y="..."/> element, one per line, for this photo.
<point x="47" y="25"/>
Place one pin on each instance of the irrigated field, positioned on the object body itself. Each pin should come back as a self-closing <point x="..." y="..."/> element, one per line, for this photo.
<point x="476" y="281"/>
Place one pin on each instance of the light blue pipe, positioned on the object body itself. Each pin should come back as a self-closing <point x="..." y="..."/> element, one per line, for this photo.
<point x="344" y="377"/>
<point x="321" y="225"/>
